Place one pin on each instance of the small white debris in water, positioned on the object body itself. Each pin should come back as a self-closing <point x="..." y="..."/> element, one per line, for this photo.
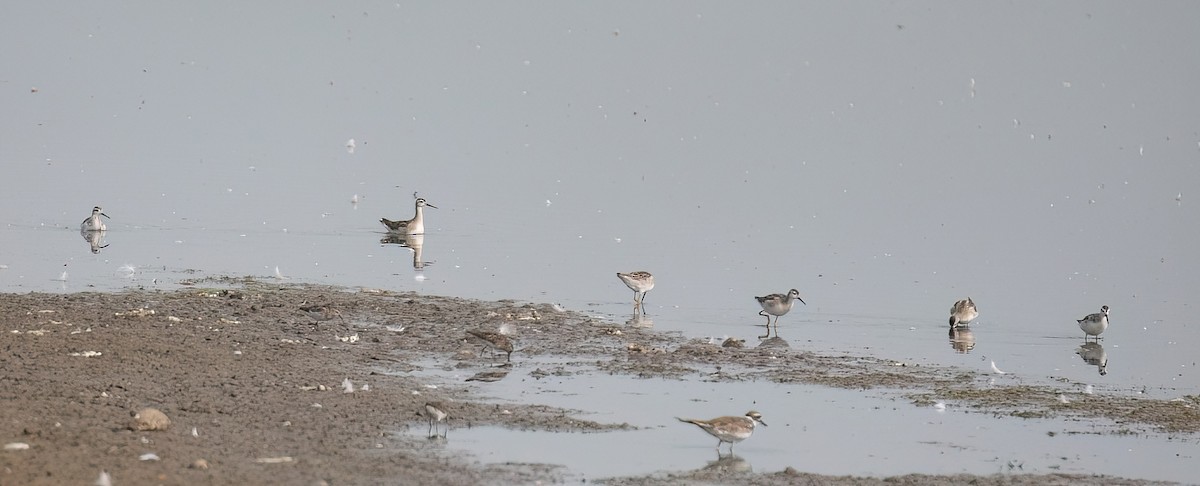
<point x="195" y="433"/>
<point x="104" y="479"/>
<point x="1063" y="398"/>
<point x="1088" y="389"/>
<point x="87" y="354"/>
<point x="63" y="277"/>
<point x="149" y="456"/>
<point x="997" y="370"/>
<point x="350" y="146"/>
<point x="347" y="386"/>
<point x="548" y="203"/>
<point x="365" y="387"/>
<point x="939" y="406"/>
<point x="431" y="387"/>
<point x="237" y="352"/>
<point x="278" y="274"/>
<point x="415" y="392"/>
<point x="317" y="405"/>
<point x="347" y="339"/>
<point x="618" y="240"/>
<point x="420" y="277"/>
<point x="354" y="200"/>
<point x="174" y="319"/>
<point x="396" y="328"/>
<point x="16" y="446"/>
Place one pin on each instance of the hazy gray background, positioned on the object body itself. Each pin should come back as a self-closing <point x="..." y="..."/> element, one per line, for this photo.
<point x="883" y="159"/>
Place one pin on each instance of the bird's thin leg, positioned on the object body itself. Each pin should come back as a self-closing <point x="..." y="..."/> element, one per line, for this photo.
<point x="764" y="314"/>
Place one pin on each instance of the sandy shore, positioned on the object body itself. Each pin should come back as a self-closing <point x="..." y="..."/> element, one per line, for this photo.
<point x="252" y="379"/>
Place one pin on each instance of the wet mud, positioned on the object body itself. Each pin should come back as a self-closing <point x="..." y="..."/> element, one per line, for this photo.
<point x="262" y="383"/>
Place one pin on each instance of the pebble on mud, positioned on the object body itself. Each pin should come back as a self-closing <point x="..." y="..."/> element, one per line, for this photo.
<point x="150" y="419"/>
<point x="199" y="464"/>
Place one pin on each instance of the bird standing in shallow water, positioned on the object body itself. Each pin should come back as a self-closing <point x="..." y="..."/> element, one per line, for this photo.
<point x="777" y="305"/>
<point x="93" y="222"/>
<point x="729" y="429"/>
<point x="1094" y="324"/>
<point x="436" y="412"/>
<point x="416" y="225"/>
<point x="640" y="283"/>
<point x="494" y="340"/>
<point x="963" y="313"/>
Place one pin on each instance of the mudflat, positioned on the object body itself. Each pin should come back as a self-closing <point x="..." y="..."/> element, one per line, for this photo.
<point x="265" y="383"/>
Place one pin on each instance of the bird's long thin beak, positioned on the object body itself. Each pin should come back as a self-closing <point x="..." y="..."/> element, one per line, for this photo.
<point x="105" y="215"/>
<point x="801" y="301"/>
<point x="764" y="424"/>
<point x="430" y="205"/>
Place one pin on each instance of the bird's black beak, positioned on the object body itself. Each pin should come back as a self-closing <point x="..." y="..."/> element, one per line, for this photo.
<point x="105" y="215"/>
<point x="430" y="205"/>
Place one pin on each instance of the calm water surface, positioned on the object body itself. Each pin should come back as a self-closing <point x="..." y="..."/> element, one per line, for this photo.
<point x="882" y="161"/>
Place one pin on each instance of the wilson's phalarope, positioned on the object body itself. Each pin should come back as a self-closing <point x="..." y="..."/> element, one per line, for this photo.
<point x="436" y="412"/>
<point x="1094" y="324"/>
<point x="729" y="429"/>
<point x="494" y="340"/>
<point x="640" y="283"/>
<point x="778" y="305"/>
<point x="94" y="223"/>
<point x="416" y="225"/>
<point x="963" y="313"/>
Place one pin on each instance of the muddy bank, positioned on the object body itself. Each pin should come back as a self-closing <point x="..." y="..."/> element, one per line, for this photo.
<point x="272" y="384"/>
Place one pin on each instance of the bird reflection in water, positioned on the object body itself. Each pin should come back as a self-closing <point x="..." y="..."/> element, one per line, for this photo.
<point x="962" y="339"/>
<point x="490" y="376"/>
<point x="640" y="320"/>
<point x="728" y="463"/>
<point x="1093" y="354"/>
<point x="95" y="239"/>
<point x="775" y="342"/>
<point x="413" y="242"/>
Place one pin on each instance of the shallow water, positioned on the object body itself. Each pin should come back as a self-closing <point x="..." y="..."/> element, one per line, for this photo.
<point x="866" y="155"/>
<point x="810" y="428"/>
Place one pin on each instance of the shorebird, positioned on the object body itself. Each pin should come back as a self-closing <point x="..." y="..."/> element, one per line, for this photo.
<point x="93" y="222"/>
<point x="1094" y="324"/>
<point x="777" y="305"/>
<point x="416" y="225"/>
<point x="729" y="429"/>
<point x="436" y="412"/>
<point x="494" y="340"/>
<point x="320" y="312"/>
<point x="963" y="313"/>
<point x="640" y="283"/>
